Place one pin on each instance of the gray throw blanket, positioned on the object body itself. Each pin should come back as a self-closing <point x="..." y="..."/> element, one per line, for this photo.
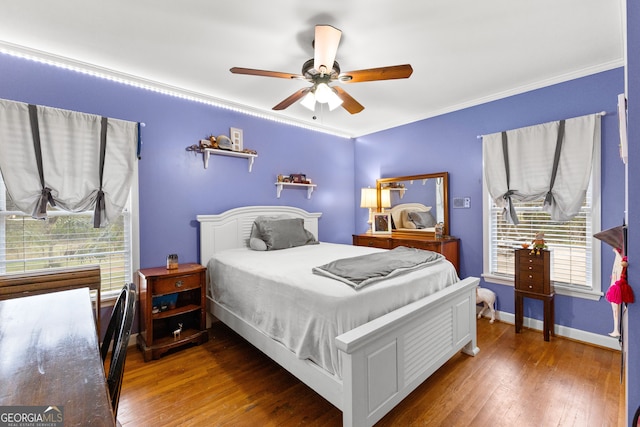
<point x="366" y="269"/>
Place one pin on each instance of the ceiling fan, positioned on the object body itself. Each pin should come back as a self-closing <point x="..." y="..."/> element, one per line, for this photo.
<point x="323" y="70"/>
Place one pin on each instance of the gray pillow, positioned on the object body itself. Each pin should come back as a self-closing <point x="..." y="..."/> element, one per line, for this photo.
<point x="422" y="219"/>
<point x="283" y="233"/>
<point x="255" y="241"/>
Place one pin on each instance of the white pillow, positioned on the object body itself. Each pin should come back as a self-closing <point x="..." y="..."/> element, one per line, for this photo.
<point x="257" y="244"/>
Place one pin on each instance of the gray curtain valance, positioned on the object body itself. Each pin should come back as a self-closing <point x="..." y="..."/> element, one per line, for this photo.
<point x="550" y="162"/>
<point x="71" y="160"/>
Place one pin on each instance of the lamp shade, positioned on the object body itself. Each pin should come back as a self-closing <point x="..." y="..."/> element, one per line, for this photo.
<point x="334" y="100"/>
<point x="368" y="198"/>
<point x="323" y="93"/>
<point x="385" y="198"/>
<point x="309" y="101"/>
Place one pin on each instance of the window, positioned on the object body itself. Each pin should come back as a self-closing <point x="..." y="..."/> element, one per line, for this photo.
<point x="69" y="239"/>
<point x="575" y="259"/>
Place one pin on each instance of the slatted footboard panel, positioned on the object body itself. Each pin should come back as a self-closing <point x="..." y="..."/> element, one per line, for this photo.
<point x="384" y="362"/>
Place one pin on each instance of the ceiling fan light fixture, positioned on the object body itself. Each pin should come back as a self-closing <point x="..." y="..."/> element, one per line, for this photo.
<point x="309" y="101"/>
<point x="322" y="70"/>
<point x="334" y="100"/>
<point x="323" y="93"/>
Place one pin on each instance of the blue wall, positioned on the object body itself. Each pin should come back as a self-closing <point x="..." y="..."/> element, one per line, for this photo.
<point x="174" y="186"/>
<point x="450" y="143"/>
<point x="633" y="100"/>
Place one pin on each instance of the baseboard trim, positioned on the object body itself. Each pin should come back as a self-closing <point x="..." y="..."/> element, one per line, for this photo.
<point x="563" y="331"/>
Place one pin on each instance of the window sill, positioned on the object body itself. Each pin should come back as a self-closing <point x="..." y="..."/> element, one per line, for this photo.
<point x="567" y="290"/>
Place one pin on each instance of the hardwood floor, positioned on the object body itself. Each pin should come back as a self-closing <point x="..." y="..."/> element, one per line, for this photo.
<point x="515" y="380"/>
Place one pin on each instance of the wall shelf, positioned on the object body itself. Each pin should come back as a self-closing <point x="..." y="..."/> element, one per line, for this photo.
<point x="206" y="152"/>
<point x="281" y="185"/>
<point x="400" y="191"/>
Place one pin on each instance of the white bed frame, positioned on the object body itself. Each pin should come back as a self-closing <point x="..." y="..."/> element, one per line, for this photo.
<point x="383" y="360"/>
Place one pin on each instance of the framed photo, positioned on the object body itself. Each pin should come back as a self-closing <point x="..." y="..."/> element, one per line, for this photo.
<point x="236" y="139"/>
<point x="381" y="223"/>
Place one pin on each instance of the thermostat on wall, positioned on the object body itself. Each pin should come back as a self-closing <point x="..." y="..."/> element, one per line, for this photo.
<point x="461" y="202"/>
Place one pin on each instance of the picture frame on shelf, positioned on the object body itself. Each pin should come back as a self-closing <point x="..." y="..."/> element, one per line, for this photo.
<point x="381" y="223"/>
<point x="237" y="143"/>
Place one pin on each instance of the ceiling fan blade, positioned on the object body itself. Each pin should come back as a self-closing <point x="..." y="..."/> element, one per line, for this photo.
<point x="348" y="102"/>
<point x="325" y="47"/>
<point x="372" y="74"/>
<point x="291" y="99"/>
<point x="264" y="73"/>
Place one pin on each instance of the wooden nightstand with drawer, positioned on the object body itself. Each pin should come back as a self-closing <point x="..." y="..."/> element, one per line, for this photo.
<point x="533" y="280"/>
<point x="172" y="308"/>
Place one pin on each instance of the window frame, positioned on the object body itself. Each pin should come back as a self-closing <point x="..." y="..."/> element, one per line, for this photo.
<point x="108" y="296"/>
<point x="594" y="291"/>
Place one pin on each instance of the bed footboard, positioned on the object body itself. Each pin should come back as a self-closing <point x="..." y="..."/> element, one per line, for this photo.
<point x="383" y="360"/>
<point x="386" y="359"/>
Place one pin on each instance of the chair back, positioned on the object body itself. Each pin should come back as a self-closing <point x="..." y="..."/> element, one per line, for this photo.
<point x="118" y="332"/>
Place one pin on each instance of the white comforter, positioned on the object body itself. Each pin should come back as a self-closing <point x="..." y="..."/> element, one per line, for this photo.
<point x="277" y="292"/>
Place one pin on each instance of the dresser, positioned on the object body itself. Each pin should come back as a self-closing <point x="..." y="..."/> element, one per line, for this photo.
<point x="447" y="246"/>
<point x="533" y="280"/>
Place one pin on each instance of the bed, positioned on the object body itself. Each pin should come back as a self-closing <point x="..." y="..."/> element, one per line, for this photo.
<point x="380" y="361"/>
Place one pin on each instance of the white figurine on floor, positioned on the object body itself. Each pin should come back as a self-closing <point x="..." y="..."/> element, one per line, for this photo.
<point x="488" y="298"/>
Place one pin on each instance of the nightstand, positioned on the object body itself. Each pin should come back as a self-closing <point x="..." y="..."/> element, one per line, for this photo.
<point x="169" y="299"/>
<point x="533" y="280"/>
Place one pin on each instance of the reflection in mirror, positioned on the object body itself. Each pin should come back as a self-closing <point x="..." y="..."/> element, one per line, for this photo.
<point x="416" y="202"/>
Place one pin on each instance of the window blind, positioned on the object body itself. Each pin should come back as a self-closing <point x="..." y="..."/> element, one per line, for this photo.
<point x="65" y="239"/>
<point x="570" y="241"/>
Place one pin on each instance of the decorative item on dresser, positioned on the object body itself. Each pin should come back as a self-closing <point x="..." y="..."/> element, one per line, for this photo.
<point x="448" y="246"/>
<point x="533" y="280"/>
<point x="171" y="300"/>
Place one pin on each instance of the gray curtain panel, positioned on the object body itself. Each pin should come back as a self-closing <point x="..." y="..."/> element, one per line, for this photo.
<point x="69" y="176"/>
<point x="524" y="171"/>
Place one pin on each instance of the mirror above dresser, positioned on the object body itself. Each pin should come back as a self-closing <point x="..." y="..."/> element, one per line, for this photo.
<point x="417" y="202"/>
<point x="428" y="196"/>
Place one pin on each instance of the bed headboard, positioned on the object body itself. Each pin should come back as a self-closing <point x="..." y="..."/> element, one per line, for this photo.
<point x="231" y="229"/>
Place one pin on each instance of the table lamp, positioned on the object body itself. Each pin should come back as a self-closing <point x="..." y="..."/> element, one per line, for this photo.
<point x="369" y="199"/>
<point x="385" y="198"/>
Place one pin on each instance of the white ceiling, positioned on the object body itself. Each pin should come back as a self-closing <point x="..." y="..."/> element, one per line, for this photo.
<point x="463" y="52"/>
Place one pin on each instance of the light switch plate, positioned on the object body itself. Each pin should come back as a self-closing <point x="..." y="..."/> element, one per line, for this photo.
<point x="236" y="139"/>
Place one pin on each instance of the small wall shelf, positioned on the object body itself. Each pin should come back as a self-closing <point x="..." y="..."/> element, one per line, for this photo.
<point x="281" y="185"/>
<point x="209" y="151"/>
<point x="400" y="190"/>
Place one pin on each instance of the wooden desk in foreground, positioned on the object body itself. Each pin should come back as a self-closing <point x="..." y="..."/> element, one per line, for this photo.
<point x="49" y="356"/>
